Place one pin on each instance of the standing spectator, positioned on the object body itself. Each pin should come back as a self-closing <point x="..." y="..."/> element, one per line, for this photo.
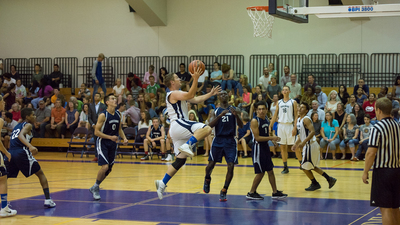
<point x="383" y="156"/>
<point x="14" y="73"/>
<point x="161" y="76"/>
<point x="20" y="92"/>
<point x="56" y="76"/>
<point x="183" y="75"/>
<point x="308" y="96"/>
<point x="396" y="89"/>
<point x="315" y="109"/>
<point x="311" y="82"/>
<point x="360" y="97"/>
<point x="361" y="84"/>
<point x="265" y="80"/>
<point x="286" y="78"/>
<point x="295" y="87"/>
<point x="129" y="79"/>
<point x="333" y="101"/>
<point x="45" y="90"/>
<point x="369" y="107"/>
<point x="351" y="104"/>
<point x="57" y="122"/>
<point x="343" y="95"/>
<point x="152" y="87"/>
<point x="43" y="115"/>
<point x="395" y="103"/>
<point x="119" y="90"/>
<point x="146" y="78"/>
<point x="136" y="89"/>
<point x="37" y="74"/>
<point x="83" y="92"/>
<point x="216" y="75"/>
<point x="16" y="112"/>
<point x="321" y="97"/>
<point x="330" y="134"/>
<point x="273" y="89"/>
<point x="365" y="131"/>
<point x="272" y="71"/>
<point x="243" y="82"/>
<point x="8" y="80"/>
<point x="228" y="76"/>
<point x="71" y="117"/>
<point x="359" y="113"/>
<point x="97" y="75"/>
<point x="350" y="136"/>
<point x="9" y="97"/>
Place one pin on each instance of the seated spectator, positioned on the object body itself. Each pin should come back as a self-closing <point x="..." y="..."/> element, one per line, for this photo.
<point x="228" y="76"/>
<point x="351" y="104"/>
<point x="317" y="125"/>
<point x="286" y="78"/>
<point x="243" y="81"/>
<point x="258" y="91"/>
<point x="358" y="111"/>
<point x="272" y="70"/>
<point x="361" y="84"/>
<point x="311" y="82"/>
<point x="56" y="95"/>
<point x="146" y="78"/>
<point x="145" y="122"/>
<point x="365" y="130"/>
<point x="71" y="117"/>
<point x="330" y="134"/>
<point x="193" y="116"/>
<point x="84" y="119"/>
<point x="273" y="89"/>
<point x="333" y="101"/>
<point x="45" y="90"/>
<point x="340" y="115"/>
<point x="16" y="112"/>
<point x="141" y="102"/>
<point x="133" y="113"/>
<point x="244" y="133"/>
<point x="209" y="103"/>
<point x="128" y="99"/>
<point x="83" y="92"/>
<point x="161" y="101"/>
<point x="55" y="77"/>
<point x="384" y="91"/>
<point x="308" y="96"/>
<point x="8" y="80"/>
<point x="396" y="89"/>
<point x="395" y="103"/>
<point x="9" y="97"/>
<point x="272" y="107"/>
<point x="185" y="77"/>
<point x="161" y="76"/>
<point x="369" y="107"/>
<point x="150" y="110"/>
<point x="48" y="104"/>
<point x="203" y="81"/>
<point x="295" y="87"/>
<point x="14" y="73"/>
<point x="9" y="125"/>
<point x="29" y="105"/>
<point x="152" y="87"/>
<point x="37" y="74"/>
<point x="20" y="92"/>
<point x="256" y="98"/>
<point x="216" y="75"/>
<point x="119" y="90"/>
<point x="315" y="109"/>
<point x="43" y="116"/>
<point x="350" y="135"/>
<point x="360" y="97"/>
<point x="321" y="97"/>
<point x="155" y="136"/>
<point x="33" y="90"/>
<point x="95" y="108"/>
<point x="78" y="104"/>
<point x="265" y="79"/>
<point x="343" y="95"/>
<point x="57" y="122"/>
<point x="86" y="100"/>
<point x="129" y="80"/>
<point x="122" y="110"/>
<point x="136" y="89"/>
<point x="395" y="115"/>
<point x="232" y="97"/>
<point x="247" y="99"/>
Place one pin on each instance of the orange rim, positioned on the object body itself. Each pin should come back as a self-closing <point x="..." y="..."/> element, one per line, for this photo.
<point x="261" y="8"/>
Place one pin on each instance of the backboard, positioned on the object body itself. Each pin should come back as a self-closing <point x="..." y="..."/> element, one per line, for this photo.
<point x="281" y="8"/>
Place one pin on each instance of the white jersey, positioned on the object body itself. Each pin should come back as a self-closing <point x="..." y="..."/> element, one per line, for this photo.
<point x="176" y="111"/>
<point x="286" y="111"/>
<point x="303" y="131"/>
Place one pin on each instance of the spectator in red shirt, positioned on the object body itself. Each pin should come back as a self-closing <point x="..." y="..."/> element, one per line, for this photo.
<point x="16" y="112"/>
<point x="369" y="107"/>
<point x="129" y="80"/>
<point x="57" y="120"/>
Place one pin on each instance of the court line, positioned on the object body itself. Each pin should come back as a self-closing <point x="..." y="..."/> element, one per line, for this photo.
<point x="79" y="201"/>
<point x="340" y="164"/>
<point x="363" y="216"/>
<point x="71" y="220"/>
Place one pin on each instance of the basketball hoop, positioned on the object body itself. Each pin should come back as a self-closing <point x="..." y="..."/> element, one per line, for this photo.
<point x="262" y="21"/>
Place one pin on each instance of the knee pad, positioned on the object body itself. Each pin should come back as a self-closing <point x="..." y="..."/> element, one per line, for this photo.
<point x="178" y="163"/>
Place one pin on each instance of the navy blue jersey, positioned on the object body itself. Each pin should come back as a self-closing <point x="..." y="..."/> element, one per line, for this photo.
<point x="263" y="129"/>
<point x="15" y="143"/>
<point x="226" y="126"/>
<point x="242" y="131"/>
<point x="155" y="133"/>
<point x="111" y="124"/>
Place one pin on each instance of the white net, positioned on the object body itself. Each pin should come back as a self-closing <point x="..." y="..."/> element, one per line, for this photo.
<point x="262" y="22"/>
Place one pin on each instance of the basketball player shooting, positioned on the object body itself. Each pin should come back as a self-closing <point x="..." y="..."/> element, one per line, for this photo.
<point x="184" y="133"/>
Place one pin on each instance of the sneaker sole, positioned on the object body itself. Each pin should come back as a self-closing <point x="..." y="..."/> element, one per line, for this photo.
<point x="279" y="197"/>
<point x="222" y="200"/>
<point x="251" y="198"/>
<point x="189" y="154"/>
<point x="313" y="189"/>
<point x="49" y="206"/>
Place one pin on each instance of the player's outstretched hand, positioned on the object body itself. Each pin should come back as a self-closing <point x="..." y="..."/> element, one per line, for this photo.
<point x="294" y="148"/>
<point x="197" y="73"/>
<point x="233" y="111"/>
<point x="125" y="141"/>
<point x="224" y="112"/>
<point x="276" y="138"/>
<point x="365" y="178"/>
<point x="216" y="90"/>
<point x="33" y="150"/>
<point x="114" y="138"/>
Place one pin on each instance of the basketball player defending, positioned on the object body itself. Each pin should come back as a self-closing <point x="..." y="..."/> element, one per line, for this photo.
<point x="107" y="129"/>
<point x="311" y="154"/>
<point x="21" y="152"/>
<point x="286" y="115"/>
<point x="224" y="142"/>
<point x="261" y="155"/>
<point x="184" y="133"/>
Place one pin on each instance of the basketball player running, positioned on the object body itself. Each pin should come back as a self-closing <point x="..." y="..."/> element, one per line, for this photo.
<point x="286" y="115"/>
<point x="21" y="152"/>
<point x="311" y="154"/>
<point x="184" y="133"/>
<point x="107" y="130"/>
<point x="224" y="142"/>
<point x="261" y="155"/>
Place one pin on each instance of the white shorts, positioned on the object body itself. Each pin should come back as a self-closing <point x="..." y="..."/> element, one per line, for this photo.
<point x="285" y="133"/>
<point x="181" y="130"/>
<point x="311" y="156"/>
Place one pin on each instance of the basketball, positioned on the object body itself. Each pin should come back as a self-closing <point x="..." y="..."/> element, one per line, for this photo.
<point x="195" y="64"/>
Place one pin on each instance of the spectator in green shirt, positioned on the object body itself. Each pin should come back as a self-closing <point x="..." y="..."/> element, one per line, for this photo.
<point x="37" y="75"/>
<point x="152" y="87"/>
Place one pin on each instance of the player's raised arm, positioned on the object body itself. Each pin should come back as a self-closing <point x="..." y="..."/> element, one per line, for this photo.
<point x="214" y="122"/>
<point x="2" y="148"/>
<point x="202" y="98"/>
<point x="256" y="133"/>
<point x="26" y="130"/>
<point x="182" y="95"/>
<point x="101" y="120"/>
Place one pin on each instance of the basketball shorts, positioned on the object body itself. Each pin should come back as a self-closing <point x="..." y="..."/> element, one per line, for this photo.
<point x="223" y="147"/>
<point x="285" y="133"/>
<point x="311" y="156"/>
<point x="181" y="131"/>
<point x="261" y="158"/>
<point x="106" y="150"/>
<point x="21" y="160"/>
<point x="385" y="188"/>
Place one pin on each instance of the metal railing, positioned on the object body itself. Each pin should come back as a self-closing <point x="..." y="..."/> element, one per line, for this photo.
<point x="121" y="66"/>
<point x="142" y="64"/>
<point x="257" y="64"/>
<point x="69" y="68"/>
<point x="46" y="64"/>
<point x="295" y="63"/>
<point x="236" y="62"/>
<point x="172" y="63"/>
<point x="208" y="61"/>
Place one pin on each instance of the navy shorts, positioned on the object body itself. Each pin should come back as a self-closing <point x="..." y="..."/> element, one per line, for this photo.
<point x="223" y="147"/>
<point x="262" y="158"/>
<point x="21" y="160"/>
<point x="106" y="150"/>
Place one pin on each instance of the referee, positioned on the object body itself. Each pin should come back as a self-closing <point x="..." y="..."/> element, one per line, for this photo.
<point x="384" y="156"/>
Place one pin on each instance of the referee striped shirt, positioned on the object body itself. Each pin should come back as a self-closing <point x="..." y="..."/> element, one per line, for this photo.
<point x="385" y="136"/>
